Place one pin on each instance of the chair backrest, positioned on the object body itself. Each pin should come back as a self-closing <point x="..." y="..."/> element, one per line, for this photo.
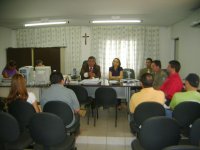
<point x="186" y="113"/>
<point x="81" y="93"/>
<point x="159" y="132"/>
<point x="195" y="133"/>
<point x="125" y="74"/>
<point x="9" y="128"/>
<point x="61" y="109"/>
<point x="105" y="97"/>
<point x="147" y="110"/>
<point x="22" y="111"/>
<point x="47" y="129"/>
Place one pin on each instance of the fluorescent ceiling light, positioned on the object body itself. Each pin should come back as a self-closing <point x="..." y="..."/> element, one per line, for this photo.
<point x="116" y="21"/>
<point x="44" y="23"/>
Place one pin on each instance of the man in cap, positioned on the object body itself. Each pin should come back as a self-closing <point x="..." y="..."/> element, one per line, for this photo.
<point x="191" y="94"/>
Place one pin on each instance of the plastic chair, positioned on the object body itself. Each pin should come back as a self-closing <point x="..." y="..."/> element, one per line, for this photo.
<point x="186" y="113"/>
<point x="106" y="97"/>
<point x="64" y="111"/>
<point x="48" y="131"/>
<point x="144" y="111"/>
<point x="10" y="136"/>
<point x="125" y="73"/>
<point x="83" y="99"/>
<point x="22" y="111"/>
<point x="182" y="147"/>
<point x="157" y="133"/>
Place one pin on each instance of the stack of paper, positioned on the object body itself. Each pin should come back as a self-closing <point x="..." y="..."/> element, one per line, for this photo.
<point x="90" y="81"/>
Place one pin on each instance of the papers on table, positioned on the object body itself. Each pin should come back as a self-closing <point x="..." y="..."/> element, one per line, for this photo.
<point x="113" y="81"/>
<point x="129" y="80"/>
<point x="90" y="81"/>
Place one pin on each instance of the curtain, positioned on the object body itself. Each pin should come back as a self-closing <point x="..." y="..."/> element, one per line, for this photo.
<point x="69" y="37"/>
<point x="131" y="44"/>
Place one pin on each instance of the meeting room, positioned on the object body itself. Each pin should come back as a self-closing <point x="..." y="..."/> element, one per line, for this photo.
<point x="99" y="75"/>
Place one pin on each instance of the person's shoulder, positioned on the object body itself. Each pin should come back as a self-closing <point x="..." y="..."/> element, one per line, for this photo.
<point x="120" y="68"/>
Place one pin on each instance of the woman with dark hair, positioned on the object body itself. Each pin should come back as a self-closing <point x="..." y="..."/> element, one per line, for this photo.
<point x="116" y="71"/>
<point x="10" y="69"/>
<point x="18" y="91"/>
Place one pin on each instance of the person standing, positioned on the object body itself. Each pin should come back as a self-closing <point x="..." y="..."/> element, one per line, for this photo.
<point x="90" y="69"/>
<point x="158" y="74"/>
<point x="173" y="83"/>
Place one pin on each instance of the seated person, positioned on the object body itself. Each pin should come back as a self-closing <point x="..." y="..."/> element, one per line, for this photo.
<point x="18" y="91"/>
<point x="116" y="71"/>
<point x="147" y="94"/>
<point x="90" y="69"/>
<point x="10" y="69"/>
<point x="57" y="91"/>
<point x="173" y="83"/>
<point x="39" y="63"/>
<point x="191" y="94"/>
<point x="148" y="68"/>
<point x="158" y="74"/>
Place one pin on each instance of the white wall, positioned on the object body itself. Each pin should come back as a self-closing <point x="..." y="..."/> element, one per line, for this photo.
<point x="7" y="39"/>
<point x="189" y="44"/>
<point x="166" y="46"/>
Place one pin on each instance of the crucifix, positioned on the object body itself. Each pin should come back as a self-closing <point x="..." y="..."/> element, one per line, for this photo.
<point x="85" y="36"/>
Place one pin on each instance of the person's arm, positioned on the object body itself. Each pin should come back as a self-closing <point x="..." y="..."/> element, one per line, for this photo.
<point x="5" y="75"/>
<point x="98" y="72"/>
<point x="115" y="77"/>
<point x="36" y="107"/>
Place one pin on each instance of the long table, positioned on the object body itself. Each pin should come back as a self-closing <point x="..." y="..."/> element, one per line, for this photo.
<point x="123" y="90"/>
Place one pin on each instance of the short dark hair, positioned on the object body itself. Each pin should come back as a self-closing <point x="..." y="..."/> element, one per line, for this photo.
<point x="149" y="59"/>
<point x="157" y="63"/>
<point x="147" y="80"/>
<point x="175" y="64"/>
<point x="11" y="63"/>
<point x="56" y="77"/>
<point x="92" y="57"/>
<point x="38" y="61"/>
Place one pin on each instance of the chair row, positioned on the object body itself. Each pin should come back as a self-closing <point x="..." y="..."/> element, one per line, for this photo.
<point x="23" y="112"/>
<point x="162" y="132"/>
<point x="185" y="114"/>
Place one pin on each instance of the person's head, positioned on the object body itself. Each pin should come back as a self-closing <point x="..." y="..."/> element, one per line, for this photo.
<point x="11" y="65"/>
<point x="18" y="88"/>
<point x="174" y="66"/>
<point x="192" y="81"/>
<point x="56" y="78"/>
<point x="147" y="80"/>
<point x="156" y="65"/>
<point x="148" y="62"/>
<point x="116" y="63"/>
<point x="38" y="63"/>
<point x="91" y="61"/>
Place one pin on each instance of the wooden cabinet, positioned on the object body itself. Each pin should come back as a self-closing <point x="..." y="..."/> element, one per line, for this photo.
<point x="28" y="56"/>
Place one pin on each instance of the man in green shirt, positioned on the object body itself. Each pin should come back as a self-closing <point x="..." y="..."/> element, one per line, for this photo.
<point x="191" y="94"/>
<point x="159" y="74"/>
<point x="148" y="68"/>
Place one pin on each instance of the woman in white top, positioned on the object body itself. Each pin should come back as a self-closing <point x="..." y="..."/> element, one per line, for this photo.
<point x="18" y="91"/>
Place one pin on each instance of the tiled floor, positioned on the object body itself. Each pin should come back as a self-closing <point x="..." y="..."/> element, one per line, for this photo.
<point x="105" y="136"/>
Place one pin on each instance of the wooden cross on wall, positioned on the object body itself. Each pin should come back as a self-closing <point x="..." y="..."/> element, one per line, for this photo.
<point x="85" y="36"/>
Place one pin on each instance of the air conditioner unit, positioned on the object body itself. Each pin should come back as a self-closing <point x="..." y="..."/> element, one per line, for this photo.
<point x="196" y="24"/>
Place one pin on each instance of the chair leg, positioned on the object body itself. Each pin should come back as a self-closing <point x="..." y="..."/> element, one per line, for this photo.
<point x="97" y="113"/>
<point x="89" y="108"/>
<point x="95" y="110"/>
<point x="115" y="116"/>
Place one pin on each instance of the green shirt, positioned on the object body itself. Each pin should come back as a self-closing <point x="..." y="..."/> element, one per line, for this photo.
<point x="159" y="78"/>
<point x="145" y="70"/>
<point x="184" y="96"/>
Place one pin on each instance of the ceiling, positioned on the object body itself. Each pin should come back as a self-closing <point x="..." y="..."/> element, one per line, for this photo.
<point x="14" y="13"/>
